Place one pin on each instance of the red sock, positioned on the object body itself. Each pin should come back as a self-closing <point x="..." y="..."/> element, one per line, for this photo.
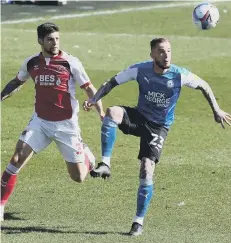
<point x="8" y="183"/>
<point x="87" y="162"/>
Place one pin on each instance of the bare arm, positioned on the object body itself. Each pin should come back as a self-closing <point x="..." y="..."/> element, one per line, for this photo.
<point x="91" y="91"/>
<point x="208" y="94"/>
<point x="193" y="81"/>
<point x="219" y="115"/>
<point x="13" y="86"/>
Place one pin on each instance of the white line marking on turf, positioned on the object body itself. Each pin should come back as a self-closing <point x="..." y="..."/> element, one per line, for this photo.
<point x="101" y="34"/>
<point x="96" y="13"/>
<point x="21" y="21"/>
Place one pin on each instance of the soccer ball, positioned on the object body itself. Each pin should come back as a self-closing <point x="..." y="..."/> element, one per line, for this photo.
<point x="205" y="16"/>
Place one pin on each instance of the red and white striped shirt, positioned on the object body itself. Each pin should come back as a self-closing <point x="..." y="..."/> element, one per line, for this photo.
<point x="55" y="81"/>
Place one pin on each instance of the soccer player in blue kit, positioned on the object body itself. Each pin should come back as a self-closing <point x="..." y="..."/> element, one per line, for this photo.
<point x="160" y="84"/>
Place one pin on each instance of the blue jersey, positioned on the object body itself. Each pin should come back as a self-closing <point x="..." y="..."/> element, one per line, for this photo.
<point x="158" y="93"/>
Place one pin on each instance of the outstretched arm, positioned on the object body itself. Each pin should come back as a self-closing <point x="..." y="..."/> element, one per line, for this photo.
<point x="122" y="77"/>
<point x="102" y="91"/>
<point x="13" y="86"/>
<point x="219" y="115"/>
<point x="193" y="81"/>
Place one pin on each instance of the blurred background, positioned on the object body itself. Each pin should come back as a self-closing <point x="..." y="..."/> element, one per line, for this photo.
<point x="60" y="2"/>
<point x="26" y="9"/>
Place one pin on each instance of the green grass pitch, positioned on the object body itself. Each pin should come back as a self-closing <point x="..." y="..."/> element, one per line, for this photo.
<point x="195" y="167"/>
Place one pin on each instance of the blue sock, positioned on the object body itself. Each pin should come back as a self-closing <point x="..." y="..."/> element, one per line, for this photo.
<point x="108" y="137"/>
<point x="144" y="197"/>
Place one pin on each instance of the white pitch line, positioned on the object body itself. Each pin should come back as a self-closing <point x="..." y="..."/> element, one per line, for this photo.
<point x="101" y="34"/>
<point x="97" y="13"/>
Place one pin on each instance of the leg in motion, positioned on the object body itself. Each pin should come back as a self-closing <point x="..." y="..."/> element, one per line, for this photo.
<point x="79" y="159"/>
<point x="22" y="154"/>
<point x="84" y="162"/>
<point x="144" y="195"/>
<point x="89" y="157"/>
<point x="114" y="116"/>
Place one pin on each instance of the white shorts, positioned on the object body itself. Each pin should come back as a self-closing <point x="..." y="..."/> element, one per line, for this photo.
<point x="40" y="133"/>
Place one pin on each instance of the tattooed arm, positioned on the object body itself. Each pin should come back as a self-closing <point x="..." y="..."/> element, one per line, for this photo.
<point x="193" y="81"/>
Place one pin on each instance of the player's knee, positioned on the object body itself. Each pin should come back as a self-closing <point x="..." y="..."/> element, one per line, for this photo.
<point x="14" y="159"/>
<point x="18" y="159"/>
<point x="77" y="171"/>
<point x="77" y="178"/>
<point x="147" y="167"/>
<point x="22" y="154"/>
<point x="115" y="113"/>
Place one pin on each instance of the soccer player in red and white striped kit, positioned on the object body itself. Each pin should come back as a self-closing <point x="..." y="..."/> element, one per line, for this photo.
<point x="55" y="75"/>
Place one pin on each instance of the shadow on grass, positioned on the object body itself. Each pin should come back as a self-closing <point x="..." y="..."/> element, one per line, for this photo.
<point x="11" y="216"/>
<point x="20" y="230"/>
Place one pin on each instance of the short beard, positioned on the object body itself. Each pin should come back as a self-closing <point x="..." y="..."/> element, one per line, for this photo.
<point x="161" y="66"/>
<point x="52" y="53"/>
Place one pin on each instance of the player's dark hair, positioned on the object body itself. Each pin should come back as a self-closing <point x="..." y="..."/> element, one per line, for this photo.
<point x="46" y="29"/>
<point x="156" y="41"/>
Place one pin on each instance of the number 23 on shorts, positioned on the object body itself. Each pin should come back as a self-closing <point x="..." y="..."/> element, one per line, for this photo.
<point x="157" y="141"/>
